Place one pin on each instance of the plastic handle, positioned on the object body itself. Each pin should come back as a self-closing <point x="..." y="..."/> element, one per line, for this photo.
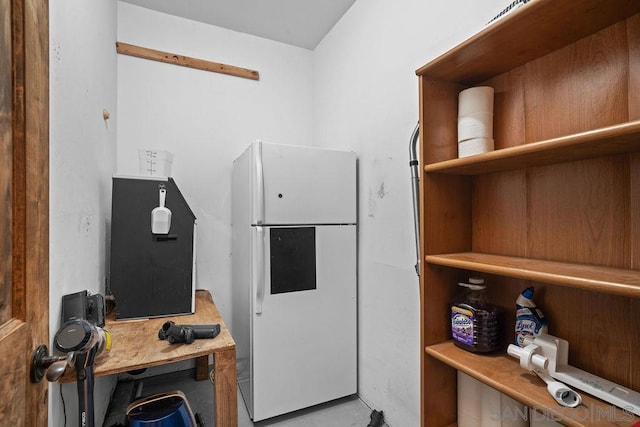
<point x="260" y="270"/>
<point x="529" y="357"/>
<point x="260" y="184"/>
<point x="163" y="197"/>
<point x="562" y="394"/>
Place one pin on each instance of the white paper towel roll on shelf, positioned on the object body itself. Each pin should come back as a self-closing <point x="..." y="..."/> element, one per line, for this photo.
<point x="480" y="405"/>
<point x="491" y="407"/>
<point x="469" y="401"/>
<point x="536" y="419"/>
<point x="476" y="125"/>
<point x="474" y="146"/>
<point x="477" y="99"/>
<point x="514" y="413"/>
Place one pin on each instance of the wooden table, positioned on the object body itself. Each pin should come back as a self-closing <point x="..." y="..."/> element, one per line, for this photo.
<point x="136" y="346"/>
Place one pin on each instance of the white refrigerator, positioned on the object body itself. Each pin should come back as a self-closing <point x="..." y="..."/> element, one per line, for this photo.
<point x="294" y="276"/>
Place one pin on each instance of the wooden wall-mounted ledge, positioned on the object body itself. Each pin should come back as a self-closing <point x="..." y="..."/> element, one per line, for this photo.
<point x="185" y="61"/>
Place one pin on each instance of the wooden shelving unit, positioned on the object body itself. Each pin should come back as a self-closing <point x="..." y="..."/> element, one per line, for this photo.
<point x="505" y="375"/>
<point x="588" y="277"/>
<point x="620" y="138"/>
<point x="555" y="206"/>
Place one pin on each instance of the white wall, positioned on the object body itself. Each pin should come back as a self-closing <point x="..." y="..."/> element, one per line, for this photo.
<point x="82" y="159"/>
<point x="366" y="99"/>
<point x="357" y="90"/>
<point x="207" y="119"/>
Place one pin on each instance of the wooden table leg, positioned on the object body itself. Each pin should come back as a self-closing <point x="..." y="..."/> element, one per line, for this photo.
<point x="202" y="368"/>
<point x="226" y="395"/>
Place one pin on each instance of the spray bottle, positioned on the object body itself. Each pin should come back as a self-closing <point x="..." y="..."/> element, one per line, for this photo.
<point x="530" y="321"/>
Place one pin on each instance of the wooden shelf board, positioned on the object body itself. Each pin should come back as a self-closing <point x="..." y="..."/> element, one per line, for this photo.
<point x="533" y="30"/>
<point x="620" y="138"/>
<point x="185" y="61"/>
<point x="505" y="375"/>
<point x="588" y="277"/>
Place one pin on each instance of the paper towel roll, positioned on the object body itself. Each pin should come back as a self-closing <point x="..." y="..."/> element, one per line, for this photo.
<point x="536" y="419"/>
<point x="491" y="407"/>
<point x="499" y="410"/>
<point x="482" y="406"/>
<point x="469" y="401"/>
<point x="474" y="146"/>
<point x="476" y="125"/>
<point x="477" y="99"/>
<point x="514" y="413"/>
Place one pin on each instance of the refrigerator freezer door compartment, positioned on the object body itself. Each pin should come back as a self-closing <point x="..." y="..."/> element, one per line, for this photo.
<point x="304" y="185"/>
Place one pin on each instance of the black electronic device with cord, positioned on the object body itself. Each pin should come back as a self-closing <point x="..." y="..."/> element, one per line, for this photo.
<point x="83" y="305"/>
<point x="80" y="340"/>
<point x="85" y="341"/>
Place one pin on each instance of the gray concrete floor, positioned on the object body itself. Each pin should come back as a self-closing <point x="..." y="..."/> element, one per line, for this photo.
<point x="346" y="412"/>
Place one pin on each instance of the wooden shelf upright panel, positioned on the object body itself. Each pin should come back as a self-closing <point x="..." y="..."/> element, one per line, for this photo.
<point x="556" y="205"/>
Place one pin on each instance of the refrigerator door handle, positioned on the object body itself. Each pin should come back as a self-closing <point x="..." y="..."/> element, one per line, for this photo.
<point x="260" y="269"/>
<point x="260" y="184"/>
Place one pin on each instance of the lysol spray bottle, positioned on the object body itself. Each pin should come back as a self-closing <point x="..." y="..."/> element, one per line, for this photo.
<point x="530" y="321"/>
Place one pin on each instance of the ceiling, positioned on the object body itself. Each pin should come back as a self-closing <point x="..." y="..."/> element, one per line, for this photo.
<point x="302" y="23"/>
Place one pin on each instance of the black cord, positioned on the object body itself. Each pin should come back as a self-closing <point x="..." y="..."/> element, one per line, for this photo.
<point x="64" y="409"/>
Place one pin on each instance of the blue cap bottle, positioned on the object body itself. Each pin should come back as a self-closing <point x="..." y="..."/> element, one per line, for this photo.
<point x="530" y="321"/>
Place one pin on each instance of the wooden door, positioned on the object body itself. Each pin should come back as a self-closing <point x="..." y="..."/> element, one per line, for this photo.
<point x="24" y="215"/>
